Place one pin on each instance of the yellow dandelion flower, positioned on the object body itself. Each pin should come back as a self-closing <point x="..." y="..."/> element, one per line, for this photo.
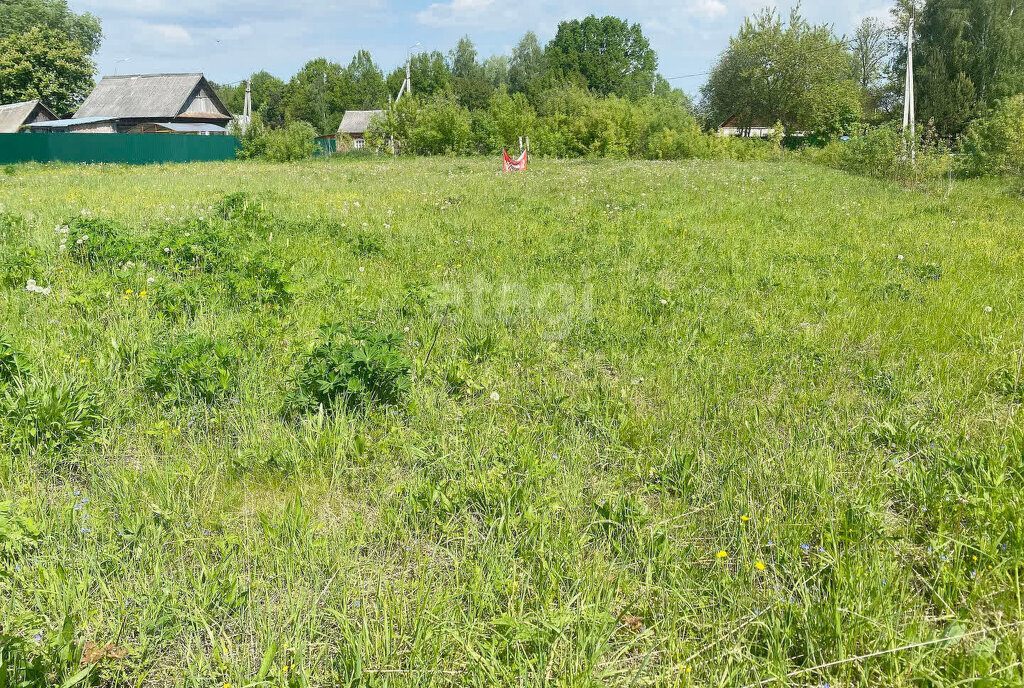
<point x="722" y="554"/>
<point x="142" y="294"/>
<point x="759" y="566"/>
<point x="744" y="518"/>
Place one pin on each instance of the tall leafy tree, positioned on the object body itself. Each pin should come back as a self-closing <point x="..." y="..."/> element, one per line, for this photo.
<point x="526" y="68"/>
<point x="316" y="94"/>
<point x="430" y="74"/>
<point x="796" y="73"/>
<point x="44" y="64"/>
<point x="870" y="55"/>
<point x="496" y="70"/>
<point x="46" y="52"/>
<point x="366" y="88"/>
<point x="267" y="98"/>
<point x="18" y="16"/>
<point x="611" y="55"/>
<point x="469" y="81"/>
<point x="970" y="55"/>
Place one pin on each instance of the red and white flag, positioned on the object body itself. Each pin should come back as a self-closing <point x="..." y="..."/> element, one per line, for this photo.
<point x="509" y="163"/>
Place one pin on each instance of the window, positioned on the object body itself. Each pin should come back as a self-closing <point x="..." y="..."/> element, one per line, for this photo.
<point x="359" y="143"/>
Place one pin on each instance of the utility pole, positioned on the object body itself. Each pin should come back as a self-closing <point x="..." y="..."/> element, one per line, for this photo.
<point x="909" y="118"/>
<point x="407" y="84"/>
<point x="247" y="108"/>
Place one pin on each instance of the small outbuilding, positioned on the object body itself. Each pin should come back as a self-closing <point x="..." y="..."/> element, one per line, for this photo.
<point x="17" y="115"/>
<point x="354" y="125"/>
<point x="732" y="127"/>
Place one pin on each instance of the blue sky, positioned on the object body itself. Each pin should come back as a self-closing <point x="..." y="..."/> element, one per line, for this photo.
<point x="227" y="40"/>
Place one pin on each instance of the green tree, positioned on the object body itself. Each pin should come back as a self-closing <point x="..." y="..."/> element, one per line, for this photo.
<point x="870" y="54"/>
<point x="317" y="93"/>
<point x="610" y="54"/>
<point x="366" y="88"/>
<point x="970" y="55"/>
<point x="267" y="92"/>
<point x="44" y="64"/>
<point x="46" y="52"/>
<point x="429" y="73"/>
<point x="469" y="82"/>
<point x="19" y="16"/>
<point x="526" y="68"/>
<point x="496" y="70"/>
<point x="794" y="73"/>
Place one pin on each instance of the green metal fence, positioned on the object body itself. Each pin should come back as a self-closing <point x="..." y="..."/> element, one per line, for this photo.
<point x="134" y="149"/>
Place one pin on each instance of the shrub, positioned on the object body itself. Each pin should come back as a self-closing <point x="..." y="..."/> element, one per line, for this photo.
<point x="352" y="368"/>
<point x="252" y="141"/>
<point x="49" y="415"/>
<point x="994" y="144"/>
<point x="296" y="141"/>
<point x="442" y="126"/>
<point x="884" y="152"/>
<point x="191" y="369"/>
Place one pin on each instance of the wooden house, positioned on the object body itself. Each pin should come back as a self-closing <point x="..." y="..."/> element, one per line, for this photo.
<point x="354" y="125"/>
<point x="148" y="103"/>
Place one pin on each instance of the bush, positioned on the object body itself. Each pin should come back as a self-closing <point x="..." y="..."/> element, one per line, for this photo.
<point x="12" y="365"/>
<point x="295" y="141"/>
<point x="884" y="152"/>
<point x="353" y="368"/>
<point x="191" y="369"/>
<point x="442" y="126"/>
<point x="994" y="144"/>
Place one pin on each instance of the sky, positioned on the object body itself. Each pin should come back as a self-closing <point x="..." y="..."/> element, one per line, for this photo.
<point x="228" y="40"/>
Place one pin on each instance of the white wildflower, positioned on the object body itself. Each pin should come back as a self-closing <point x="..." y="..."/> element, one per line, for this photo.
<point x="988" y="309"/>
<point x="495" y="396"/>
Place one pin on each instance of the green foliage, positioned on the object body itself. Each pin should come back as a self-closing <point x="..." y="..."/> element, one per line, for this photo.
<point x="97" y="241"/>
<point x="296" y="141"/>
<point x="884" y="152"/>
<point x="12" y="364"/>
<point x="795" y="73"/>
<point x="20" y="16"/>
<point x="56" y="663"/>
<point x="970" y="55"/>
<point x="191" y="369"/>
<point x="441" y="126"/>
<point x="49" y="415"/>
<point x="994" y="144"/>
<point x="611" y="55"/>
<point x="44" y="64"/>
<point x="19" y="534"/>
<point x="350" y="368"/>
<point x="193" y="245"/>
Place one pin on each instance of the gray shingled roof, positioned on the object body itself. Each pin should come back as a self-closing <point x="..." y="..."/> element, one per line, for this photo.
<point x="356" y="121"/>
<point x="13" y="116"/>
<point x="143" y="95"/>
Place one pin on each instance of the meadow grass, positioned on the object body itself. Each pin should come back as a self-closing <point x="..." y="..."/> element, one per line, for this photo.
<point x="694" y="424"/>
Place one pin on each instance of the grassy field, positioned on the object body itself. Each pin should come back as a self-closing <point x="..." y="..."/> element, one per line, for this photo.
<point x="695" y="424"/>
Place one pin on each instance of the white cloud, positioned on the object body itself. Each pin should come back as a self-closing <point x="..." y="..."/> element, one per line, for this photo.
<point x="169" y="33"/>
<point x="456" y="13"/>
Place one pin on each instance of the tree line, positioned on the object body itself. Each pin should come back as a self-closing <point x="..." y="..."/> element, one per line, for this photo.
<point x="605" y="55"/>
<point x="969" y="57"/>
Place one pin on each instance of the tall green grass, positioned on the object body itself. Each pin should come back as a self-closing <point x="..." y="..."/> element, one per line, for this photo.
<point x="654" y="424"/>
